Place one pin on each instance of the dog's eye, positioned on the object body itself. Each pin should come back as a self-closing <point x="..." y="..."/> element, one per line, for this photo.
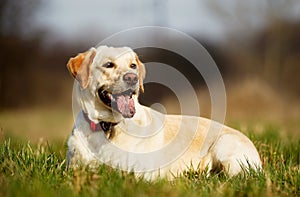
<point x="108" y="65"/>
<point x="133" y="66"/>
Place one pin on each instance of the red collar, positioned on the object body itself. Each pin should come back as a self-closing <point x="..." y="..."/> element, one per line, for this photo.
<point x="100" y="126"/>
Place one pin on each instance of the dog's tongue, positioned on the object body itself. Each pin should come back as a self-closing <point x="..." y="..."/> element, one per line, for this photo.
<point x="125" y="105"/>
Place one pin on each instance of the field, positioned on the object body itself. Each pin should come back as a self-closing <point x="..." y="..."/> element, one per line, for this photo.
<point x="34" y="166"/>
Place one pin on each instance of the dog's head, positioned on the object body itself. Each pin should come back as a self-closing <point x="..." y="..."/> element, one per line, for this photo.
<point x="110" y="80"/>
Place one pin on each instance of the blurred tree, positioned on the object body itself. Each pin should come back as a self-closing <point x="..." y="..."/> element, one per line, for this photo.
<point x="15" y="17"/>
<point x="262" y="38"/>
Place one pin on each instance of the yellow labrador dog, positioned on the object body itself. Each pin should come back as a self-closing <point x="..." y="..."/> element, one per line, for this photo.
<point x="113" y="128"/>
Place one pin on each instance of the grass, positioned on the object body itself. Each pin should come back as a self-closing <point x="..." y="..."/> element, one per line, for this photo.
<point x="40" y="170"/>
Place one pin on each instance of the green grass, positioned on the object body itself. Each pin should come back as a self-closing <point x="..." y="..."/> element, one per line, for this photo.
<point x="40" y="170"/>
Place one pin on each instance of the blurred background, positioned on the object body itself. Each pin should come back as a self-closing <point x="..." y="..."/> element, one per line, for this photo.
<point x="255" y="44"/>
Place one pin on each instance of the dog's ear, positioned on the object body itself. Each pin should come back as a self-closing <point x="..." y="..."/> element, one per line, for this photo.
<point x="79" y="66"/>
<point x="142" y="73"/>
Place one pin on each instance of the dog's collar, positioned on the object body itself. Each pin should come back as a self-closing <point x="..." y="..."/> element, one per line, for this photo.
<point x="101" y="126"/>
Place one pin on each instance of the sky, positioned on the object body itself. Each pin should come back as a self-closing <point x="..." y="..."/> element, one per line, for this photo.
<point x="69" y="20"/>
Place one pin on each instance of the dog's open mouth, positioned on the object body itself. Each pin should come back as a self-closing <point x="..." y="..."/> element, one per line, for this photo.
<point x="120" y="102"/>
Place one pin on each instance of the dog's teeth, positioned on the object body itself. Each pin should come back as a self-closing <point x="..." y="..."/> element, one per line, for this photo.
<point x="111" y="97"/>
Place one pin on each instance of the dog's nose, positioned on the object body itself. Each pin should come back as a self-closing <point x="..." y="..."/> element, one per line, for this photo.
<point x="130" y="78"/>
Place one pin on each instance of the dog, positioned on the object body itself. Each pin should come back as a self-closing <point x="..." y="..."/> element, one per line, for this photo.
<point x="114" y="128"/>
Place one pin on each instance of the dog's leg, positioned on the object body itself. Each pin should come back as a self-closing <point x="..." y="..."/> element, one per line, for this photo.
<point x="72" y="153"/>
<point x="235" y="153"/>
<point x="78" y="153"/>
